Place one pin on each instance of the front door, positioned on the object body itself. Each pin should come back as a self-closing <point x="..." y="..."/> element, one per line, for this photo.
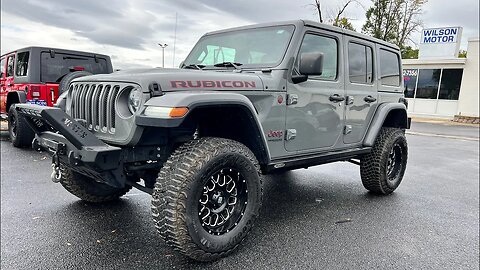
<point x="315" y="110"/>
<point x="7" y="80"/>
<point x="360" y="88"/>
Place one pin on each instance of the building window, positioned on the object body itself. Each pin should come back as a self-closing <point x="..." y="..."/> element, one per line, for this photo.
<point x="389" y="68"/>
<point x="427" y="86"/>
<point x="22" y="64"/>
<point x="360" y="63"/>
<point x="450" y="84"/>
<point x="326" y="45"/>
<point x="409" y="82"/>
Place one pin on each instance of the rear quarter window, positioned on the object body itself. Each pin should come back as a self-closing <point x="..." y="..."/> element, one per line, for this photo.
<point x="389" y="68"/>
<point x="22" y="64"/>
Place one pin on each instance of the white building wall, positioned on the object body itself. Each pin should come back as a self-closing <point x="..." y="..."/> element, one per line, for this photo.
<point x="468" y="101"/>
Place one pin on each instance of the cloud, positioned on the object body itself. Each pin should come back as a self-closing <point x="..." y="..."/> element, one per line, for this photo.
<point x="131" y="30"/>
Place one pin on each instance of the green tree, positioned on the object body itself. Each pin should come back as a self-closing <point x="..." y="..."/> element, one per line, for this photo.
<point x="393" y="20"/>
<point x="462" y="54"/>
<point x="343" y="23"/>
<point x="409" y="53"/>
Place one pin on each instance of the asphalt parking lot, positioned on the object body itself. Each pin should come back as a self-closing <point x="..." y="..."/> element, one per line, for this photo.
<point x="320" y="218"/>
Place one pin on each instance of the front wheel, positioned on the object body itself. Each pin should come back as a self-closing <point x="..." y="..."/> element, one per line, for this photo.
<point x="382" y="169"/>
<point x="21" y="135"/>
<point x="87" y="189"/>
<point x="207" y="196"/>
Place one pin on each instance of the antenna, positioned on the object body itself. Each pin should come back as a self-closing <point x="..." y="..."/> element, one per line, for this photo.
<point x="174" y="39"/>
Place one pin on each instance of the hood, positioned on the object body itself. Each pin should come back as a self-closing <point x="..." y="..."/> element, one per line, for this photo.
<point x="183" y="79"/>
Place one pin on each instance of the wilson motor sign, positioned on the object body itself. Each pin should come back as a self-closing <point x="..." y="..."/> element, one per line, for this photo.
<point x="440" y="42"/>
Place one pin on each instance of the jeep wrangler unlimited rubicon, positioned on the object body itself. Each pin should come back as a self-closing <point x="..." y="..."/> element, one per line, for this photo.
<point x="246" y="102"/>
<point x="39" y="75"/>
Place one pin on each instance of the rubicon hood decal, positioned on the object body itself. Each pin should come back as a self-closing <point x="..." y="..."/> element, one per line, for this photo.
<point x="213" y="84"/>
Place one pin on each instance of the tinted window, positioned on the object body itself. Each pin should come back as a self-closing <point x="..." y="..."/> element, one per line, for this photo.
<point x="10" y="64"/>
<point x="450" y="86"/>
<point x="22" y="64"/>
<point x="326" y="45"/>
<point x="2" y="67"/>
<point x="409" y="82"/>
<point x="360" y="63"/>
<point x="389" y="68"/>
<point x="427" y="86"/>
<point x="53" y="69"/>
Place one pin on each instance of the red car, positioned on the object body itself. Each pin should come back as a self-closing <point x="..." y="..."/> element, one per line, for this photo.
<point x="39" y="75"/>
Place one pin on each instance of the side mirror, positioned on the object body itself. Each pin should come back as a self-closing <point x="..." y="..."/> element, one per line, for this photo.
<point x="310" y="64"/>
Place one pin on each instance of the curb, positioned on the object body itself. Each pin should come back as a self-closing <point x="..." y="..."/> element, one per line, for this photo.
<point x="443" y="136"/>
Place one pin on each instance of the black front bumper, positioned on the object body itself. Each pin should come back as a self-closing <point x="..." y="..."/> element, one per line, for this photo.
<point x="74" y="145"/>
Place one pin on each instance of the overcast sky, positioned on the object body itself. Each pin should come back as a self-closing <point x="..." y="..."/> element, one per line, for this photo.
<point x="129" y="31"/>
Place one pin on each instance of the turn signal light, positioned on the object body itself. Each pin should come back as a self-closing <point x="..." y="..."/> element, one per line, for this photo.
<point x="165" y="112"/>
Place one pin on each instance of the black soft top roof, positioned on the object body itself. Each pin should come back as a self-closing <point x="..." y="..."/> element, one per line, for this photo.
<point x="41" y="49"/>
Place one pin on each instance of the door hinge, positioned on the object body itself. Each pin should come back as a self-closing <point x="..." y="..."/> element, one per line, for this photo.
<point x="292" y="99"/>
<point x="347" y="129"/>
<point x="290" y="134"/>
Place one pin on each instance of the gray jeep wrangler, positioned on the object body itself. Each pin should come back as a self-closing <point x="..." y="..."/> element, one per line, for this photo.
<point x="246" y="102"/>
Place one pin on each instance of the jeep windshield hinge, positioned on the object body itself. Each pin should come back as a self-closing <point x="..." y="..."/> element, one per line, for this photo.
<point x="292" y="99"/>
<point x="155" y="89"/>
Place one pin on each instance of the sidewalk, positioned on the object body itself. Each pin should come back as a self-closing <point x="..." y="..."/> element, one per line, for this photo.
<point x="444" y="128"/>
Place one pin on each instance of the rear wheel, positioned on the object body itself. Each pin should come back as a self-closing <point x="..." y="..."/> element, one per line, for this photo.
<point x="21" y="135"/>
<point x="87" y="188"/>
<point x="207" y="196"/>
<point x="382" y="169"/>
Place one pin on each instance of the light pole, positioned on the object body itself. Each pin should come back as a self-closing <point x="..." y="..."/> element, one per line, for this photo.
<point x="163" y="52"/>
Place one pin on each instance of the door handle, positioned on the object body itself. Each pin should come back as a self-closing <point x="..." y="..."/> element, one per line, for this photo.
<point x="336" y="98"/>
<point x="369" y="99"/>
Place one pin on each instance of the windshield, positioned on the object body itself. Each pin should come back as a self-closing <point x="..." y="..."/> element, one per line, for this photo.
<point x="53" y="69"/>
<point x="258" y="47"/>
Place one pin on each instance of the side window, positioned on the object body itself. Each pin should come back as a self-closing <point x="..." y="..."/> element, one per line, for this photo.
<point x="2" y="67"/>
<point x="22" y="64"/>
<point x="326" y="45"/>
<point x="10" y="65"/>
<point x="389" y="68"/>
<point x="360" y="63"/>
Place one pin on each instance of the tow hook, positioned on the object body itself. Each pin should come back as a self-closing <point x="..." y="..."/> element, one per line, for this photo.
<point x="56" y="173"/>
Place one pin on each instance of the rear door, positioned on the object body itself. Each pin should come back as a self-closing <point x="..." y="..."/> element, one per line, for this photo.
<point x="314" y="120"/>
<point x="360" y="87"/>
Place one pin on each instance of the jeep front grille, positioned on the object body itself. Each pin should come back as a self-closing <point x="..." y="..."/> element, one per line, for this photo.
<point x="95" y="103"/>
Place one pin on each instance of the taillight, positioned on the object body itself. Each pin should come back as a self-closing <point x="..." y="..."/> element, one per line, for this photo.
<point x="52" y="94"/>
<point x="35" y="89"/>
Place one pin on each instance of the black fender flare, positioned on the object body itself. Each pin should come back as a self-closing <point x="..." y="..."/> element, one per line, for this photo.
<point x="379" y="118"/>
<point x="14" y="97"/>
<point x="204" y="99"/>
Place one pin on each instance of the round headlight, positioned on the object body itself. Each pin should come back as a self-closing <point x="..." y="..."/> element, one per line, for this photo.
<point x="134" y="99"/>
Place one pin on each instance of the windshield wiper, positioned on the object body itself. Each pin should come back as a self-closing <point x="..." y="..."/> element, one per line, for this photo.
<point x="193" y="66"/>
<point x="229" y="64"/>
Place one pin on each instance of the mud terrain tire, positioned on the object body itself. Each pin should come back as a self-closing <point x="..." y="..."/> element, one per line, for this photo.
<point x="383" y="168"/>
<point x="88" y="189"/>
<point x="184" y="181"/>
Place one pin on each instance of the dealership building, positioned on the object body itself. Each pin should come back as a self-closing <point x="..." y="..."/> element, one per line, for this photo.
<point x="439" y="84"/>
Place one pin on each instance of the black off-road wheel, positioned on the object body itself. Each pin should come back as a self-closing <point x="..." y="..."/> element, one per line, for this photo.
<point x="87" y="189"/>
<point x="382" y="169"/>
<point x="21" y="135"/>
<point x="207" y="196"/>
